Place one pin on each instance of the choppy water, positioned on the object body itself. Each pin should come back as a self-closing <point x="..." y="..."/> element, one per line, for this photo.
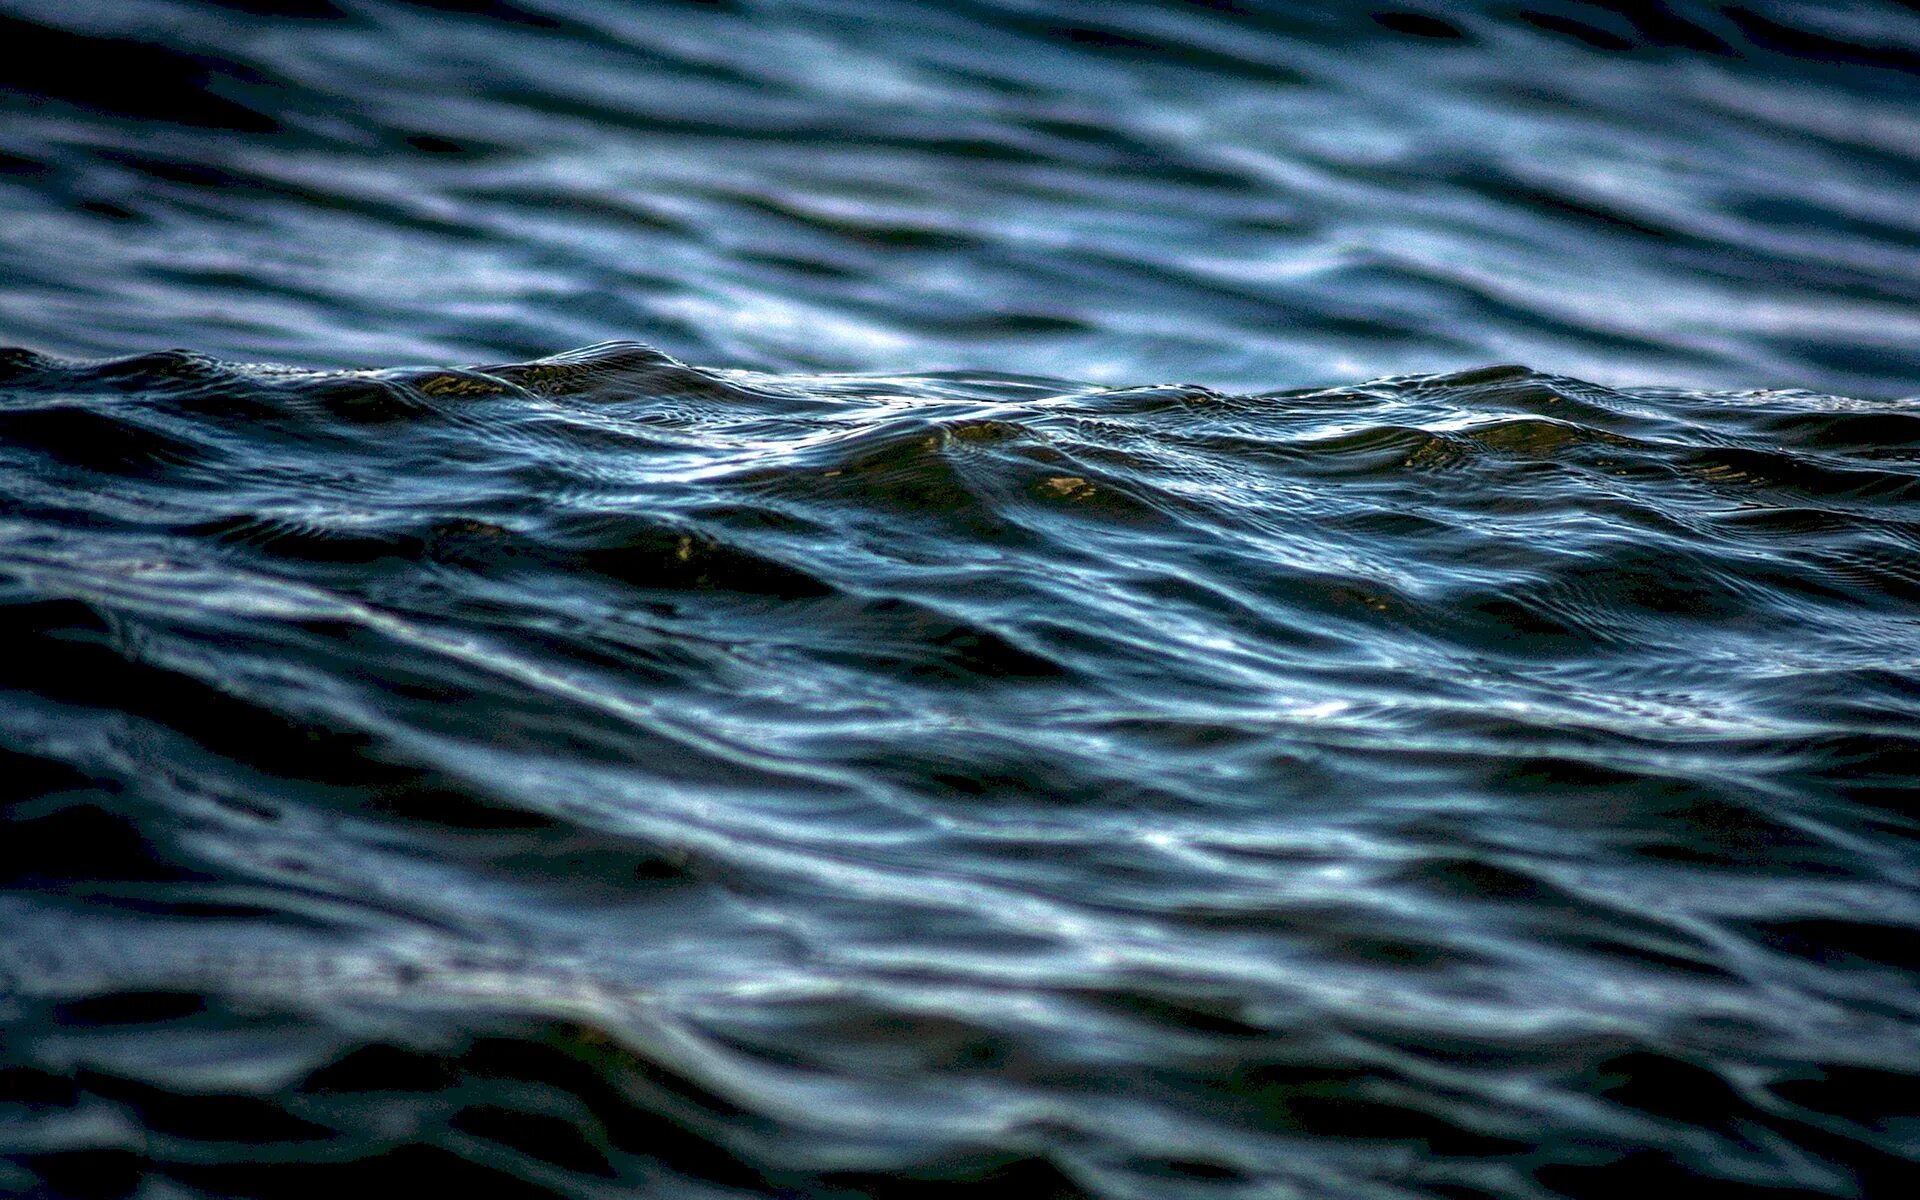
<point x="920" y="748"/>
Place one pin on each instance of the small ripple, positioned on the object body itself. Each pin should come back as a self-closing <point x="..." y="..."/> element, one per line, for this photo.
<point x="860" y="782"/>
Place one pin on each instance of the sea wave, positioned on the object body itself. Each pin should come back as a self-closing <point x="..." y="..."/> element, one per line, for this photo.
<point x="604" y="772"/>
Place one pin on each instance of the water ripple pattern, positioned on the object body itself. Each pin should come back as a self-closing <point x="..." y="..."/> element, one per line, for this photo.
<point x="1029" y="652"/>
<point x="1245" y="193"/>
<point x="600" y="772"/>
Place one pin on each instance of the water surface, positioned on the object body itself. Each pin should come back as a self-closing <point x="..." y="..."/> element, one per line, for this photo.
<point x="1030" y="652"/>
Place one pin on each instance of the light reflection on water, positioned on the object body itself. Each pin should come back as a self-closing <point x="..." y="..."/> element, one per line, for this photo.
<point x="1249" y="198"/>
<point x="885" y="760"/>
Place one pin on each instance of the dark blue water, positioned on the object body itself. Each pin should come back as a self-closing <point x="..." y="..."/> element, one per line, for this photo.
<point x="1034" y="652"/>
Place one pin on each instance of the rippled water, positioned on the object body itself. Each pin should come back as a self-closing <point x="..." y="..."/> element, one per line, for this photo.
<point x="919" y="748"/>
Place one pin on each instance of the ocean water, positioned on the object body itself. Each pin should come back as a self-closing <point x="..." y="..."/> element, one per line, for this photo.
<point x="986" y="598"/>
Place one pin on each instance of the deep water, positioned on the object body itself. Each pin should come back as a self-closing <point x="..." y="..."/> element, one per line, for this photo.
<point x="1034" y="657"/>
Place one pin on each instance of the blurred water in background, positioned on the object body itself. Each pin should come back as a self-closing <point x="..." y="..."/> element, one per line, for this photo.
<point x="1034" y="651"/>
<point x="1245" y="195"/>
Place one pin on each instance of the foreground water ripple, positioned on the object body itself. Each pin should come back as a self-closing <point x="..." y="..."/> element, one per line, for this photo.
<point x="601" y="770"/>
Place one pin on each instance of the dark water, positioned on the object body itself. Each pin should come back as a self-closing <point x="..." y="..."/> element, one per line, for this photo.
<point x="922" y="750"/>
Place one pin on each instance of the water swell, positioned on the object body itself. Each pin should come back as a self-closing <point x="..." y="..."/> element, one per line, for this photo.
<point x="605" y="770"/>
